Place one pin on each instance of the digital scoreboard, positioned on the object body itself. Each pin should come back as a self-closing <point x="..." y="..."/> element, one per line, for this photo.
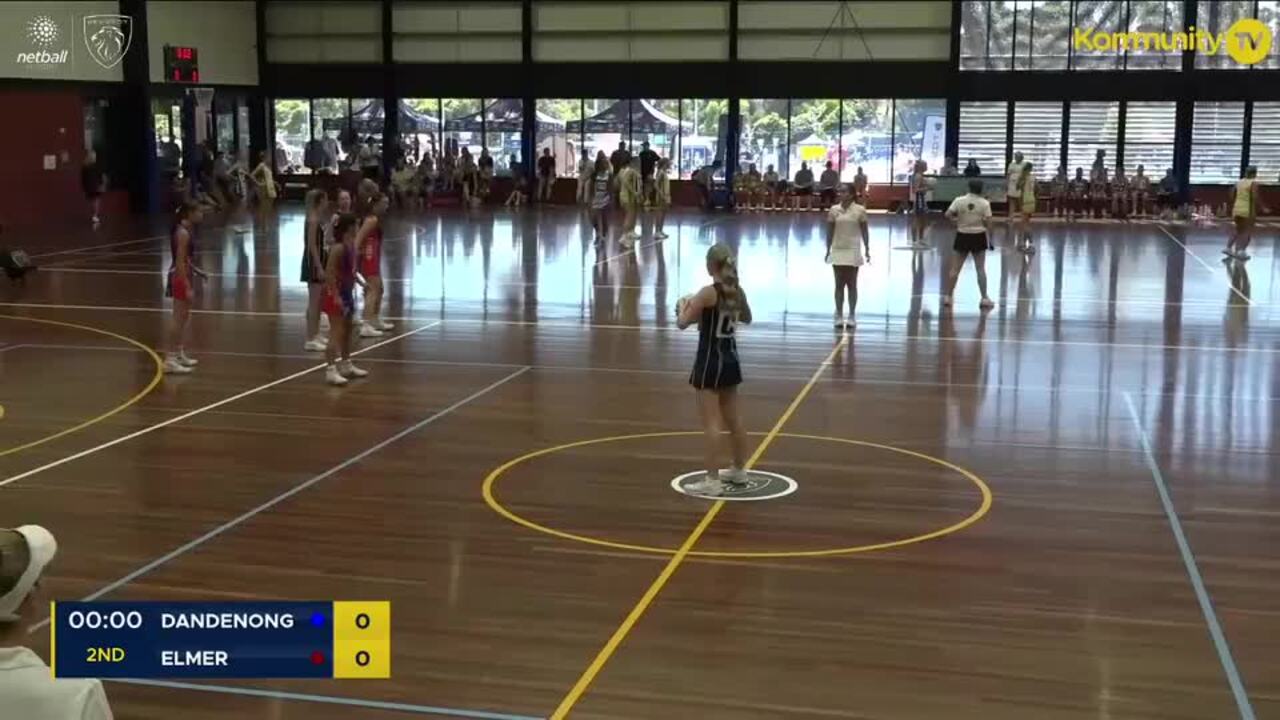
<point x="181" y="64"/>
<point x="221" y="640"/>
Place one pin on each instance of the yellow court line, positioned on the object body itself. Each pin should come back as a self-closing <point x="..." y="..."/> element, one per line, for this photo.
<point x="155" y="380"/>
<point x="984" y="506"/>
<point x="602" y="657"/>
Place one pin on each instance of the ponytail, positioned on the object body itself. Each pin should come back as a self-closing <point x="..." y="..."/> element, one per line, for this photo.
<point x="725" y="270"/>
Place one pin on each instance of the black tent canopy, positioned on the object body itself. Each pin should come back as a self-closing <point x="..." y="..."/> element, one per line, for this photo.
<point x="642" y="115"/>
<point x="505" y="115"/>
<point x="368" y="120"/>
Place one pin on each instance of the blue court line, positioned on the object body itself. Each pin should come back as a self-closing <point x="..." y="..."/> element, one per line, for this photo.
<point x="1193" y="572"/>
<point x="330" y="700"/>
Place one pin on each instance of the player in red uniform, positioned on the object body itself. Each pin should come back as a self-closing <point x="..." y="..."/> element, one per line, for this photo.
<point x="339" y="302"/>
<point x="181" y="285"/>
<point x="369" y="250"/>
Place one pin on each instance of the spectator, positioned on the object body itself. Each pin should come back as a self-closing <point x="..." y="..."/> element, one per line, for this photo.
<point x="860" y="187"/>
<point x="1167" y="194"/>
<point x="92" y="182"/>
<point x="648" y="163"/>
<point x="804" y="186"/>
<point x="949" y="169"/>
<point x="370" y="163"/>
<point x="620" y="158"/>
<point x="485" y="165"/>
<point x="585" y="169"/>
<point x="518" y="185"/>
<point x="827" y="184"/>
<point x="546" y="175"/>
<point x="972" y="170"/>
<point x="704" y="181"/>
<point x="27" y="690"/>
<point x="402" y="183"/>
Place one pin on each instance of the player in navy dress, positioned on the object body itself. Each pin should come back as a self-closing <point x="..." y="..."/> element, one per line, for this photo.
<point x="718" y="309"/>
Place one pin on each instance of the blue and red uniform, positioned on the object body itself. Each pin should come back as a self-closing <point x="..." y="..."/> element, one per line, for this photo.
<point x="371" y="252"/>
<point x="342" y="303"/>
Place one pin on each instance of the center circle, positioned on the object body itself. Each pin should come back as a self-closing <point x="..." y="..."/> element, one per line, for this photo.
<point x="490" y="498"/>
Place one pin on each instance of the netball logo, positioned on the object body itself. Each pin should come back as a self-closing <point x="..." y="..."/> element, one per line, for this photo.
<point x="107" y="38"/>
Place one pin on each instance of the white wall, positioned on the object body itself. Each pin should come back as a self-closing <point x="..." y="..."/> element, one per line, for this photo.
<point x="66" y="20"/>
<point x="224" y="35"/>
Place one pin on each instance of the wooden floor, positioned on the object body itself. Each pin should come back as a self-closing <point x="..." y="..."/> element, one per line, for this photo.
<point x="1120" y="402"/>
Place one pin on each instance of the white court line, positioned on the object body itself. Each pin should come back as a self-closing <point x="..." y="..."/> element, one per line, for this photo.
<point x="329" y="700"/>
<point x="1193" y="571"/>
<point x="98" y="247"/>
<point x="802" y="332"/>
<point x="639" y="246"/>
<point x="354" y="459"/>
<point x="1206" y="265"/>
<point x="197" y="411"/>
<point x="673" y="372"/>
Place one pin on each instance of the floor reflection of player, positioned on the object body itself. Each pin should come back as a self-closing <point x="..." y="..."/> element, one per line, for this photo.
<point x="1236" y="322"/>
<point x="963" y="368"/>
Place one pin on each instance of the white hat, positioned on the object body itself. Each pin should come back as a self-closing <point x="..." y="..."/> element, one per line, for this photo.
<point x="42" y="547"/>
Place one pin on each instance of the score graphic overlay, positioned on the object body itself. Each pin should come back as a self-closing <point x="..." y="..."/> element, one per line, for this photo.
<point x="221" y="640"/>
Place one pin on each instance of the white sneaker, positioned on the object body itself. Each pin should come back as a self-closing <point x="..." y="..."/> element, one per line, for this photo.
<point x="946" y="301"/>
<point x="986" y="304"/>
<point x="95" y="220"/>
<point x="369" y="331"/>
<point x="333" y="377"/>
<point x="1030" y="249"/>
<point x="384" y="325"/>
<point x="173" y="367"/>
<point x="660" y="235"/>
<point x="1242" y="256"/>
<point x="706" y="486"/>
<point x="838" y="321"/>
<point x="349" y="370"/>
<point x="187" y="361"/>
<point x="735" y="477"/>
<point x="316" y="345"/>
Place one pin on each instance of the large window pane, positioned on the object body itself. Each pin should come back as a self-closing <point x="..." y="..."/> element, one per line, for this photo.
<point x="920" y="133"/>
<point x="867" y="140"/>
<point x="331" y="127"/>
<point x="1148" y="137"/>
<point x="462" y="125"/>
<point x="1042" y="32"/>
<point x="1269" y="14"/>
<point x="551" y="130"/>
<point x="420" y="126"/>
<point x="1216" y="16"/>
<point x="763" y="136"/>
<point x="656" y="122"/>
<point x="1094" y="126"/>
<point x="605" y="124"/>
<point x="503" y="127"/>
<point x="704" y="135"/>
<point x="1264" y="140"/>
<point x="982" y="135"/>
<point x="1217" y="141"/>
<point x="1037" y="134"/>
<point x="815" y="131"/>
<point x="1155" y="16"/>
<point x="1099" y="16"/>
<point x="1000" y="34"/>
<point x="292" y="118"/>
<point x="973" y="34"/>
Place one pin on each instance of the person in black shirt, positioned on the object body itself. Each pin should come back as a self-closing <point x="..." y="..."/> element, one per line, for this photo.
<point x="620" y="158"/>
<point x="92" y="182"/>
<point x="648" y="164"/>
<point x="972" y="170"/>
<point x="546" y="175"/>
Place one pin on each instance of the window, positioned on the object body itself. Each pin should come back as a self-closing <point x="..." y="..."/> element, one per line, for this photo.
<point x="1264" y="140"/>
<point x="974" y="34"/>
<point x="866" y="141"/>
<point x="1103" y="17"/>
<point x="703" y="133"/>
<point x="420" y="127"/>
<point x="330" y="124"/>
<point x="1148" y="137"/>
<point x="656" y="122"/>
<point x="1158" y="17"/>
<point x="292" y="120"/>
<point x="850" y="31"/>
<point x="224" y="121"/>
<point x="1269" y="14"/>
<point x="503" y="128"/>
<point x="551" y="131"/>
<point x="620" y="31"/>
<point x="1094" y="126"/>
<point x="461" y="125"/>
<point x="603" y="125"/>
<point x="1037" y="134"/>
<point x="982" y="135"/>
<point x="919" y="133"/>
<point x="1217" y="142"/>
<point x="1216" y="16"/>
<point x="762" y="137"/>
<point x="453" y="32"/>
<point x="367" y="123"/>
<point x="323" y="32"/>
<point x="815" y="135"/>
<point x="1042" y="31"/>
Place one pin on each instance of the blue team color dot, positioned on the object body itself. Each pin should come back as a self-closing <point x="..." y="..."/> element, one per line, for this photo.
<point x="317" y="619"/>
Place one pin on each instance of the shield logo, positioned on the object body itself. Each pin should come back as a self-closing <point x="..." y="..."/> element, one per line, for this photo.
<point x="107" y="38"/>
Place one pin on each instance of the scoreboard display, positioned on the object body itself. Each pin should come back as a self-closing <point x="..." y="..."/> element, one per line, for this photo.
<point x="221" y="640"/>
<point x="181" y="64"/>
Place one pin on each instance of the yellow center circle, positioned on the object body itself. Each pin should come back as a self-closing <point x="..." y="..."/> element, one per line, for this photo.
<point x="1248" y="41"/>
<point x="984" y="506"/>
<point x="156" y="377"/>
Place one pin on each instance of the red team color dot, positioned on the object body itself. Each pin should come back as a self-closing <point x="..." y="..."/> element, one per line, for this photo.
<point x="317" y="658"/>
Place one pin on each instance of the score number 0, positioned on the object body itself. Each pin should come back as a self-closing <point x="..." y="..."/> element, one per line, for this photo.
<point x="362" y="640"/>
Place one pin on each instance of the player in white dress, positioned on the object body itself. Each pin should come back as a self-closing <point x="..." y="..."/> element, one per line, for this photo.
<point x="846" y="221"/>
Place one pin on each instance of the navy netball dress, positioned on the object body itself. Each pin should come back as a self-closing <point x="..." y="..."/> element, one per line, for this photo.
<point x="716" y="365"/>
